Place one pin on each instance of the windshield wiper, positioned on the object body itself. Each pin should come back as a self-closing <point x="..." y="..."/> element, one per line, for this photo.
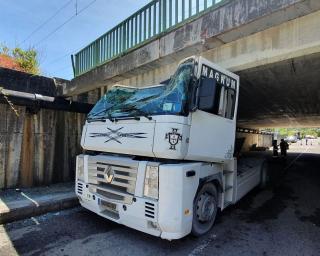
<point x="126" y="118"/>
<point x="111" y="119"/>
<point x="101" y="119"/>
<point x="97" y="119"/>
<point x="143" y="113"/>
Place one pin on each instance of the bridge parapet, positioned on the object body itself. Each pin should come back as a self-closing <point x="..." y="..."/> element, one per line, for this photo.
<point x="154" y="19"/>
<point x="212" y="29"/>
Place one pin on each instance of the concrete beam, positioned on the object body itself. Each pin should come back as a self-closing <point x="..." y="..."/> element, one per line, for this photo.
<point x="236" y="19"/>
<point x="283" y="94"/>
<point x="289" y="40"/>
<point x="292" y="39"/>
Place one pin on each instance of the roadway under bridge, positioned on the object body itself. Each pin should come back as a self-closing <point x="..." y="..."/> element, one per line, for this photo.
<point x="273" y="45"/>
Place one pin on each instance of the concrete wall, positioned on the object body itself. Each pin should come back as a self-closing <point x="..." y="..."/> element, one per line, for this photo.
<point x="261" y="140"/>
<point x="39" y="146"/>
<point x="38" y="149"/>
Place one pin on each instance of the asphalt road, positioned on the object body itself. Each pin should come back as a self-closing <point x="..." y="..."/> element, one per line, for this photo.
<point x="281" y="220"/>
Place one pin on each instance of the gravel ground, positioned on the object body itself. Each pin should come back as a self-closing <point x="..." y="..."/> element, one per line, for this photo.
<point x="283" y="219"/>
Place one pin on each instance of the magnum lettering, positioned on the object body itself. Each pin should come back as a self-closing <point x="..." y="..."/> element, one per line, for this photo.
<point x="221" y="78"/>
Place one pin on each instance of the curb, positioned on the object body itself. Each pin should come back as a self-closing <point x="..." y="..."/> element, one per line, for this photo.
<point x="44" y="206"/>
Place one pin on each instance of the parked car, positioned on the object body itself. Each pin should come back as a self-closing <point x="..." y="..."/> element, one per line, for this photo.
<point x="291" y="139"/>
<point x="310" y="137"/>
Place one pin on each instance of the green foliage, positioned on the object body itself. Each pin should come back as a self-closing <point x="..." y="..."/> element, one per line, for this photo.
<point x="294" y="131"/>
<point x="4" y="49"/>
<point x="309" y="131"/>
<point x="26" y="59"/>
<point x="283" y="131"/>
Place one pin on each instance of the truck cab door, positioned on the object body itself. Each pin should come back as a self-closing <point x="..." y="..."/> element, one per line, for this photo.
<point x="213" y="124"/>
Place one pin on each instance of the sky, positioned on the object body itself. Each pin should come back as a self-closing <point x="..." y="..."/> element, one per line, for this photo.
<point x="19" y="18"/>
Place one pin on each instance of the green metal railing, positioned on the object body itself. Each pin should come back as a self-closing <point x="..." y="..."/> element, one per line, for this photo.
<point x="157" y="17"/>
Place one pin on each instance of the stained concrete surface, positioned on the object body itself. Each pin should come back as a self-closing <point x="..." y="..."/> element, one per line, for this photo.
<point x="283" y="219"/>
<point x="229" y="22"/>
<point x="281" y="95"/>
<point x="278" y="69"/>
<point x="17" y="204"/>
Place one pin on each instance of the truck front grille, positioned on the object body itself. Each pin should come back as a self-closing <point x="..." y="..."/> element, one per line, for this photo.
<point x="113" y="181"/>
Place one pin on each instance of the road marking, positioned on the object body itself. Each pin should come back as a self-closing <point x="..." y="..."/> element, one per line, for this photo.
<point x="202" y="246"/>
<point x="33" y="201"/>
<point x="294" y="160"/>
<point x="35" y="220"/>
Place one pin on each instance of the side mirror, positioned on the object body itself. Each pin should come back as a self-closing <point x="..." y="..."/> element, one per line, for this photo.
<point x="206" y="93"/>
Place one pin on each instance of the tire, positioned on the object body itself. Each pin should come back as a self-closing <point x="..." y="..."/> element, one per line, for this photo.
<point x="205" y="208"/>
<point x="264" y="180"/>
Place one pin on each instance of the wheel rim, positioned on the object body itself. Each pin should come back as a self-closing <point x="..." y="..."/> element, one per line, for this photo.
<point x="205" y="208"/>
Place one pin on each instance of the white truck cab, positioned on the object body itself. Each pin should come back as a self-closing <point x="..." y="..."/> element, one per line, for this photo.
<point x="160" y="159"/>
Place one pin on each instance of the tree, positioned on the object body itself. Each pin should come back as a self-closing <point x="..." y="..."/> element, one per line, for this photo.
<point x="27" y="60"/>
<point x="294" y="131"/>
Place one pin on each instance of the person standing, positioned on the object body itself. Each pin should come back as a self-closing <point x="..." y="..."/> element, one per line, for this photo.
<point x="284" y="146"/>
<point x="275" y="148"/>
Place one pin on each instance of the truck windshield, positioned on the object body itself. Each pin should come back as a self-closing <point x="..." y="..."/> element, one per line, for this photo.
<point x="166" y="99"/>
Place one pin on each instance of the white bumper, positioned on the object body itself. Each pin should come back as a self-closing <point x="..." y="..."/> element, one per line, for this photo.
<point x="169" y="217"/>
<point x="131" y="215"/>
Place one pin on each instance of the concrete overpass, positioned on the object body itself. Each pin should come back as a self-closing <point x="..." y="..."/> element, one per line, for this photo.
<point x="274" y="45"/>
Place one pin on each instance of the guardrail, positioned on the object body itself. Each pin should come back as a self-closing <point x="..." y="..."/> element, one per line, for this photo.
<point x="155" y="18"/>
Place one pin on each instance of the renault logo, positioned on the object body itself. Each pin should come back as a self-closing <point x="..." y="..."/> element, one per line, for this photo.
<point x="109" y="174"/>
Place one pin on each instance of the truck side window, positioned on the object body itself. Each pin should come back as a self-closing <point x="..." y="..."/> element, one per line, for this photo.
<point x="224" y="102"/>
<point x="225" y="92"/>
<point x="229" y="101"/>
<point x="216" y="105"/>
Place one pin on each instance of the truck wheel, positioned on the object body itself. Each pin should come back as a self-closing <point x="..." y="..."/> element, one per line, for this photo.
<point x="205" y="207"/>
<point x="264" y="175"/>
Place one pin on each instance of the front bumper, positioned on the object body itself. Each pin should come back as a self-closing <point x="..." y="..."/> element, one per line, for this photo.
<point x="169" y="217"/>
<point x="141" y="215"/>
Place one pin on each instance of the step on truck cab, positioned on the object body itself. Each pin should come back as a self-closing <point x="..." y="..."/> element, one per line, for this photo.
<point x="160" y="159"/>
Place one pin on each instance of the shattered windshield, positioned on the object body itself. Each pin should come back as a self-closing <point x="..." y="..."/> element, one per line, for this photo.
<point x="166" y="99"/>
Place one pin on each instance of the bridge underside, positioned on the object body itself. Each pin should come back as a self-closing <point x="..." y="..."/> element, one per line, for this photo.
<point x="277" y="57"/>
<point x="283" y="94"/>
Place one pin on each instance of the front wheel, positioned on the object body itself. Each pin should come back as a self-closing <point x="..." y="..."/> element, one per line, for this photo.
<point x="205" y="208"/>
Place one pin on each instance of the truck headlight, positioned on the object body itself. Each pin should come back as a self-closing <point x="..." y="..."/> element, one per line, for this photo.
<point x="80" y="168"/>
<point x="151" y="182"/>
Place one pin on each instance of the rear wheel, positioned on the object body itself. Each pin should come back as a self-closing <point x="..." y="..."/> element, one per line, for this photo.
<point x="205" y="208"/>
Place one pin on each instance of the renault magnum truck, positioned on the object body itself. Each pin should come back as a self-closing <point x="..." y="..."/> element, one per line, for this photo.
<point x="161" y="159"/>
